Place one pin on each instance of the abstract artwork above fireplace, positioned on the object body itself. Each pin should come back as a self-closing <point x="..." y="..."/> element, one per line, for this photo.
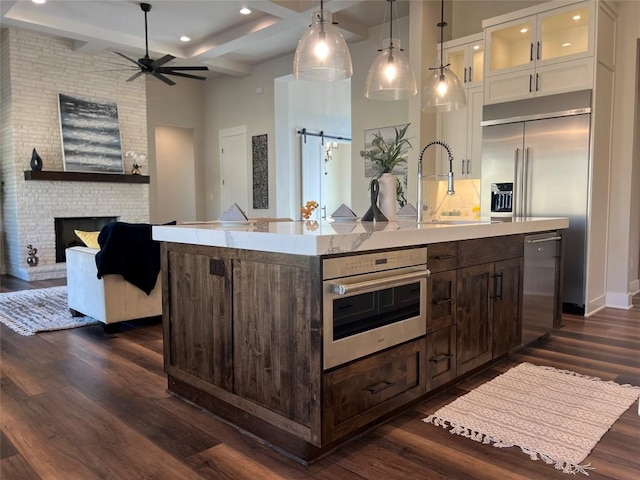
<point x="90" y="135"/>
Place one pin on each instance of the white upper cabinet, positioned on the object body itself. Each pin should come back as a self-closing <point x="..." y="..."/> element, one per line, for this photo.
<point x="461" y="128"/>
<point x="541" y="50"/>
<point x="466" y="58"/>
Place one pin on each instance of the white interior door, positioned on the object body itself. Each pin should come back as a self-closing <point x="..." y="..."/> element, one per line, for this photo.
<point x="312" y="171"/>
<point x="234" y="181"/>
<point x="175" y="174"/>
<point x="336" y="176"/>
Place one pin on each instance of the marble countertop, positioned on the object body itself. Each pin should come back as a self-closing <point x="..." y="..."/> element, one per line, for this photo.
<point x="331" y="237"/>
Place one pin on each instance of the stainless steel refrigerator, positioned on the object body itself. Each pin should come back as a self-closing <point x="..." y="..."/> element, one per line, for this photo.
<point x="535" y="163"/>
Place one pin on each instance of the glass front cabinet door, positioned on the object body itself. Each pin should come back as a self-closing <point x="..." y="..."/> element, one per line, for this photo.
<point x="461" y="129"/>
<point x="466" y="59"/>
<point x="547" y="52"/>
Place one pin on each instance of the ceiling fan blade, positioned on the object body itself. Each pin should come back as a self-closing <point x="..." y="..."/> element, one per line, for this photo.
<point x="166" y="69"/>
<point x="185" y="75"/>
<point x="162" y="61"/>
<point x="163" y="78"/>
<point x="135" y="75"/>
<point x="130" y="59"/>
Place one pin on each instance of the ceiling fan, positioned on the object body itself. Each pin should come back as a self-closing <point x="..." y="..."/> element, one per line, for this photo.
<point x="155" y="67"/>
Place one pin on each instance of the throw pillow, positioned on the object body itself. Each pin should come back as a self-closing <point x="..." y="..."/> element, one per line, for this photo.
<point x="90" y="239"/>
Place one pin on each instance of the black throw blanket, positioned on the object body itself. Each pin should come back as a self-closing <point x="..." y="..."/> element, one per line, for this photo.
<point x="128" y="249"/>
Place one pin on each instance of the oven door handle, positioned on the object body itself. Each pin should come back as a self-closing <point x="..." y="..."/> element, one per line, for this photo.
<point x="345" y="288"/>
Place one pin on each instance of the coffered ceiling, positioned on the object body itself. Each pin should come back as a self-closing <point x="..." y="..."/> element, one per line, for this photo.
<point x="221" y="38"/>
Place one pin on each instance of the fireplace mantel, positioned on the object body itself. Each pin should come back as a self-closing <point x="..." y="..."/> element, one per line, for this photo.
<point x="84" y="177"/>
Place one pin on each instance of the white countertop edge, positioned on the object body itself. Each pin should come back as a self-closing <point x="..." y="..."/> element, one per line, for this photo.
<point x="293" y="238"/>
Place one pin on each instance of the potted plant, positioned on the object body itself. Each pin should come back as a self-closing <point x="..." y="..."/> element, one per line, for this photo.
<point x="385" y="156"/>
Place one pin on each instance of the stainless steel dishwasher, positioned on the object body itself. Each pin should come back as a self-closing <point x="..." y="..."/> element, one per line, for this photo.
<point x="541" y="285"/>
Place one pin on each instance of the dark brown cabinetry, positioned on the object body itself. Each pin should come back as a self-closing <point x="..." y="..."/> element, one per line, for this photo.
<point x="441" y="314"/>
<point x="367" y="389"/>
<point x="489" y="299"/>
<point x="197" y="306"/>
<point x="243" y="338"/>
<point x="248" y="322"/>
<point x="507" y="305"/>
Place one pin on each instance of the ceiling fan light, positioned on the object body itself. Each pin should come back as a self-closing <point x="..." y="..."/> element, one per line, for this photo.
<point x="322" y="54"/>
<point x="443" y="92"/>
<point x="390" y="76"/>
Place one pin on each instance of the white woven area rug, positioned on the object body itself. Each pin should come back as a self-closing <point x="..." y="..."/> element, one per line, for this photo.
<point x="40" y="310"/>
<point x="554" y="415"/>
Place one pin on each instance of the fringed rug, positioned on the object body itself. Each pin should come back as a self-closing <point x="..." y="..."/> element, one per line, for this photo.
<point x="39" y="310"/>
<point x="553" y="415"/>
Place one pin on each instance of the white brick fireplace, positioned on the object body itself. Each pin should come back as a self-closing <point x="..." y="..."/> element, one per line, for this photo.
<point x="34" y="69"/>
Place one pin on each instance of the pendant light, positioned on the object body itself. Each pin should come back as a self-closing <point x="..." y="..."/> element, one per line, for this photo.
<point x="390" y="76"/>
<point x="322" y="54"/>
<point x="442" y="91"/>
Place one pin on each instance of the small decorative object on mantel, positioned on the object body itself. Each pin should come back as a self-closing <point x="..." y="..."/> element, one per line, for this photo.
<point x="36" y="161"/>
<point x="137" y="161"/>
<point x="32" y="259"/>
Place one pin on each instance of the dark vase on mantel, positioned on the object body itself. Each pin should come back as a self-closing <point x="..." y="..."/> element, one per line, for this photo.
<point x="36" y="161"/>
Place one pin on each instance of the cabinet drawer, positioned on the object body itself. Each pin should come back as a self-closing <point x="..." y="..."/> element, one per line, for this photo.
<point x="365" y="390"/>
<point x="441" y="357"/>
<point x="442" y="256"/>
<point x="487" y="250"/>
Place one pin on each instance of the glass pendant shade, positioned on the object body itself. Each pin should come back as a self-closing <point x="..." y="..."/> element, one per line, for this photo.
<point x="322" y="54"/>
<point x="390" y="76"/>
<point x="443" y="92"/>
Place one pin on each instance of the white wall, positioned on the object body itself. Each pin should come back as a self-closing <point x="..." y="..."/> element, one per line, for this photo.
<point x="230" y="102"/>
<point x="468" y="14"/>
<point x="180" y="105"/>
<point x="35" y="68"/>
<point x="624" y="211"/>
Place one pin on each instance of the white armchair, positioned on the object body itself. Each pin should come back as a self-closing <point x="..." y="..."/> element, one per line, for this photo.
<point x="110" y="299"/>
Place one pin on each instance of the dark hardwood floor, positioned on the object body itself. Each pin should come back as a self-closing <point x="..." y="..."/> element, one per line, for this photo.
<point x="81" y="404"/>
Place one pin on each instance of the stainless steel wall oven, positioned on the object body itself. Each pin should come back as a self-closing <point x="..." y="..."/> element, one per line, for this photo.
<point x="372" y="301"/>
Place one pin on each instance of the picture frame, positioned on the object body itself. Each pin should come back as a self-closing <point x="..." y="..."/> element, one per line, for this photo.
<point x="388" y="134"/>
<point x="90" y="134"/>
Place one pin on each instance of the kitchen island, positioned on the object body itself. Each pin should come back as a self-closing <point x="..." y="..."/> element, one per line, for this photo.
<point x="269" y="325"/>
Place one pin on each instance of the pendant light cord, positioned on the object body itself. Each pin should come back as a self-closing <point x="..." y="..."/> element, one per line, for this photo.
<point x="442" y="24"/>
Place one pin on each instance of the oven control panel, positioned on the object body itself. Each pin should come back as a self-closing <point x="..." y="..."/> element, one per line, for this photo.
<point x="372" y="262"/>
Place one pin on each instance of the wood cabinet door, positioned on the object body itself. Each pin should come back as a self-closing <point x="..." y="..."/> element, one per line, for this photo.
<point x="441" y="357"/>
<point x="507" y="305"/>
<point x="198" y="338"/>
<point x="441" y="309"/>
<point x="474" y="315"/>
<point x="275" y="307"/>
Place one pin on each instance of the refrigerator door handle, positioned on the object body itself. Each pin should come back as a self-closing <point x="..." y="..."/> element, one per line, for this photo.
<point x="516" y="184"/>
<point x="525" y="182"/>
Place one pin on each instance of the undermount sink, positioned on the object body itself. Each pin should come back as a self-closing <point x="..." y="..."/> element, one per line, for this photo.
<point x="459" y="222"/>
<point x="452" y="222"/>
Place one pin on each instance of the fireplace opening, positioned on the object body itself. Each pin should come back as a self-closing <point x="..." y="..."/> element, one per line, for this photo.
<point x="66" y="237"/>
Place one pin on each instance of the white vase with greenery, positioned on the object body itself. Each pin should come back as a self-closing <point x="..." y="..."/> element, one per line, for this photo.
<point x="384" y="157"/>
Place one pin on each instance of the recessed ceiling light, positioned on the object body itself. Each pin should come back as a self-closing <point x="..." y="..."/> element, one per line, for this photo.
<point x="184" y="38"/>
<point x="524" y="30"/>
<point x="566" y="44"/>
<point x="576" y="17"/>
<point x="39" y="2"/>
<point x="476" y="47"/>
<point x="245" y="11"/>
